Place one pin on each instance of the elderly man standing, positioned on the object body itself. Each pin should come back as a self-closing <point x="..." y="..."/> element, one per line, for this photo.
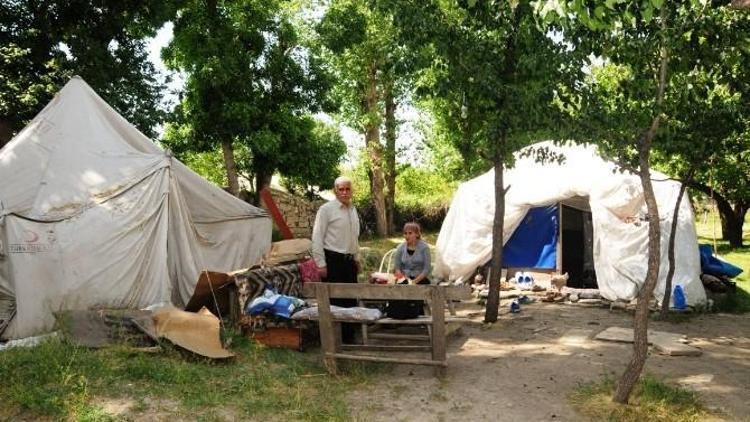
<point x="335" y="244"/>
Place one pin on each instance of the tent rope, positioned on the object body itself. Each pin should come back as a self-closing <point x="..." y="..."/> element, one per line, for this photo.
<point x="216" y="302"/>
<point x="713" y="214"/>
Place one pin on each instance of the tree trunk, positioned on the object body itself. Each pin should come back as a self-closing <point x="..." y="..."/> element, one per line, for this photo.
<point x="640" y="320"/>
<point x="390" y="157"/>
<point x="262" y="180"/>
<point x="375" y="150"/>
<point x="231" y="167"/>
<point x="732" y="216"/>
<point x="672" y="236"/>
<point x="498" y="225"/>
<point x="732" y="220"/>
<point x="6" y="132"/>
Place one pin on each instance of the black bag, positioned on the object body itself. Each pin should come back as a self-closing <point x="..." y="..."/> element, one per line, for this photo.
<point x="404" y="309"/>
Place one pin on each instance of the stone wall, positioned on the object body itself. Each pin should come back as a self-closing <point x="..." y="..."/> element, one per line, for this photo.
<point x="298" y="212"/>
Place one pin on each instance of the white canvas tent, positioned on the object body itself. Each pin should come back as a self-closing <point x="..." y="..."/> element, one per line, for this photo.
<point x="617" y="208"/>
<point x="93" y="213"/>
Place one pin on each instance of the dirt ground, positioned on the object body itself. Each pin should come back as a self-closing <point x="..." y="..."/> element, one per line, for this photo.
<point x="524" y="367"/>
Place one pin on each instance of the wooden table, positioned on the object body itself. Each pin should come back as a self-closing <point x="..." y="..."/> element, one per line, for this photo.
<point x="434" y="296"/>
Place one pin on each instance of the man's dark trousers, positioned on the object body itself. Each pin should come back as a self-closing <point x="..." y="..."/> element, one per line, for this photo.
<point x="342" y="269"/>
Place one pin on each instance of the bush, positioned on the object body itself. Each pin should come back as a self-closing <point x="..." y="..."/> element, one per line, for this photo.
<point x="422" y="195"/>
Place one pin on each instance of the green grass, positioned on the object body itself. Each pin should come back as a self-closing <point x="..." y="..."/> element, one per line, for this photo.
<point x="651" y="400"/>
<point x="59" y="381"/>
<point x="708" y="228"/>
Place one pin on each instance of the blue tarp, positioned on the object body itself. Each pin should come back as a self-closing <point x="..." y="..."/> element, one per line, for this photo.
<point x="715" y="266"/>
<point x="534" y="243"/>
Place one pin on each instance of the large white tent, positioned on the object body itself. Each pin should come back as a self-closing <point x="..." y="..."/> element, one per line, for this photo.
<point x="618" y="211"/>
<point x="94" y="214"/>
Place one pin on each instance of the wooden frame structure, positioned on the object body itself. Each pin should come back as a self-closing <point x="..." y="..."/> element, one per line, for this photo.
<point x="436" y="297"/>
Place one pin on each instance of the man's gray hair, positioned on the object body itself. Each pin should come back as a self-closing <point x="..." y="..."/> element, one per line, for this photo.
<point x="341" y="180"/>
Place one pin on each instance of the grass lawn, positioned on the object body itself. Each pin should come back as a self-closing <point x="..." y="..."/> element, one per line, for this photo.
<point x="651" y="400"/>
<point x="708" y="227"/>
<point x="58" y="381"/>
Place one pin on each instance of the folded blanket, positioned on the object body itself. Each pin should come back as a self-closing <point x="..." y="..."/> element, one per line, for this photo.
<point x="356" y="313"/>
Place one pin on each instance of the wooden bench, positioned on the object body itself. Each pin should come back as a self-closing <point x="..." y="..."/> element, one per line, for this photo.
<point x="435" y="297"/>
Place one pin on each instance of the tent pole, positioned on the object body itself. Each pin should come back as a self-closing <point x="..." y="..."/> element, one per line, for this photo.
<point x="558" y="258"/>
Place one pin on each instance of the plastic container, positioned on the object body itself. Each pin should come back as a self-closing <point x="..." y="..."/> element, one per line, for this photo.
<point x="678" y="298"/>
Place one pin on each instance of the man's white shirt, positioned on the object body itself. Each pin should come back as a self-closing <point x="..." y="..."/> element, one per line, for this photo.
<point x="336" y="229"/>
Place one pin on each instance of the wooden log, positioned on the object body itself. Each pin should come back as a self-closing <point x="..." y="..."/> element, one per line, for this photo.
<point x="387" y="347"/>
<point x="388" y="360"/>
<point x="387" y="291"/>
<point x="395" y="336"/>
<point x="327" y="336"/>
<point x="438" y="329"/>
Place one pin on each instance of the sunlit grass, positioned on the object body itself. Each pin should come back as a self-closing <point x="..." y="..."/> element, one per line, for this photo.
<point x="708" y="227"/>
<point x="59" y="381"/>
<point x="651" y="400"/>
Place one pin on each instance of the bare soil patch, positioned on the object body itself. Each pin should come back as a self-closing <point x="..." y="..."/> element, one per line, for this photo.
<point x="524" y="367"/>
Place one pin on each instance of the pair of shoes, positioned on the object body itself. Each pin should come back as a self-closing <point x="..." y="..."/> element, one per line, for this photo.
<point x="525" y="300"/>
<point x="515" y="307"/>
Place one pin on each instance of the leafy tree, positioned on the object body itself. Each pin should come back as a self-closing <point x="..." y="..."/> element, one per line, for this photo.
<point x="372" y="68"/>
<point x="705" y="122"/>
<point x="495" y="80"/>
<point x="251" y="81"/>
<point x="721" y="120"/>
<point x="327" y="145"/>
<point x="45" y="43"/>
<point x="632" y="101"/>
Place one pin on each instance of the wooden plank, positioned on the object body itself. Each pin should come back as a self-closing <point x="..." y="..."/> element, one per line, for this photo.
<point x="369" y="358"/>
<point x="278" y="218"/>
<point x="234" y="306"/>
<point x="672" y="344"/>
<point x="365" y="339"/>
<point x="666" y="343"/>
<point x="395" y="336"/>
<point x="387" y="291"/>
<point x="437" y="305"/>
<point x="327" y="335"/>
<point x="388" y="347"/>
<point x="422" y="320"/>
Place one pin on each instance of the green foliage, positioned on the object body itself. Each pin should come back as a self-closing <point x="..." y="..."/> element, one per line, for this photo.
<point x="359" y="42"/>
<point x="44" y="44"/>
<point x="209" y="164"/>
<point x="651" y="400"/>
<point x="422" y="188"/>
<point x="251" y="81"/>
<point x="63" y="382"/>
<point x="422" y="195"/>
<point x="702" y="116"/>
<point x="314" y="161"/>
<point x="494" y="79"/>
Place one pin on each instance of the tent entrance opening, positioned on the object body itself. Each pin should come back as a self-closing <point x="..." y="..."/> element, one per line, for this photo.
<point x="578" y="247"/>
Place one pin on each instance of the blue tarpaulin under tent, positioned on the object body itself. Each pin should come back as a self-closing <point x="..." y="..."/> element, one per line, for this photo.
<point x="583" y="215"/>
<point x="534" y="243"/>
